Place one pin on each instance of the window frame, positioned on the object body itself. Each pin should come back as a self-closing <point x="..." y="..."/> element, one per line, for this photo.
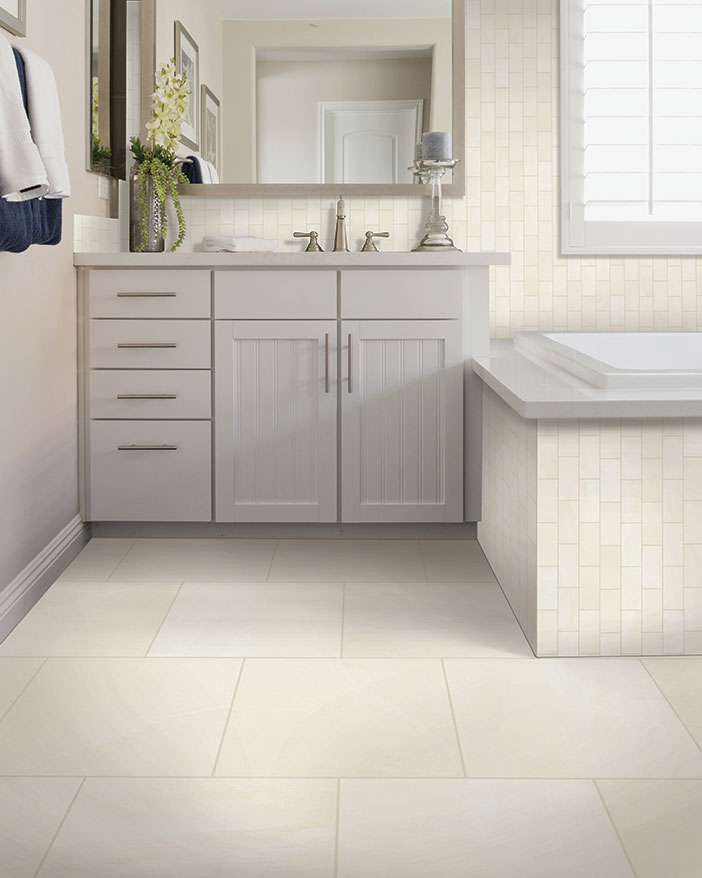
<point x="589" y="237"/>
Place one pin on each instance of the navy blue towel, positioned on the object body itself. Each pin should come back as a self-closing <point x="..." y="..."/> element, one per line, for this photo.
<point x="192" y="169"/>
<point x="23" y="223"/>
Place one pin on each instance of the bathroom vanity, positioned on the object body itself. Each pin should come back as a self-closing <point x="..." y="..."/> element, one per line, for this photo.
<point x="330" y="387"/>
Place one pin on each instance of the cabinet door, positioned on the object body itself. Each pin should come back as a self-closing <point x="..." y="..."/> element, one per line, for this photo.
<point x="402" y="421"/>
<point x="275" y="420"/>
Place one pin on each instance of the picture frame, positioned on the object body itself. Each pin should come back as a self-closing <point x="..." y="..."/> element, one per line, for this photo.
<point x="187" y="55"/>
<point x="211" y="128"/>
<point x="13" y="16"/>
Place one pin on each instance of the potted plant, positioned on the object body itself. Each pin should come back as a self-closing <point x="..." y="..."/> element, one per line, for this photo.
<point x="155" y="176"/>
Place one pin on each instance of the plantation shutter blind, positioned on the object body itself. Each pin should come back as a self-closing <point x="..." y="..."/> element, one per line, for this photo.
<point x="632" y="126"/>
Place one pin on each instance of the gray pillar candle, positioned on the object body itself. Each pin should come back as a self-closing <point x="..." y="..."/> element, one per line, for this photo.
<point x="437" y="146"/>
<point x="418" y="152"/>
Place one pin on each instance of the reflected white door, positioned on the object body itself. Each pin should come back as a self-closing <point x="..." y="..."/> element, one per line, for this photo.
<point x="369" y="141"/>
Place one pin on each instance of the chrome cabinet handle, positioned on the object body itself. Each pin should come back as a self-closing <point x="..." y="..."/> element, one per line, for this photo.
<point x="170" y="344"/>
<point x="350" y="365"/>
<point x="147" y="448"/>
<point x="146" y="295"/>
<point x="146" y="396"/>
<point x="326" y="363"/>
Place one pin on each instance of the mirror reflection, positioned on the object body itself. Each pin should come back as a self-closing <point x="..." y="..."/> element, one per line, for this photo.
<point x="315" y="91"/>
<point x="107" y="87"/>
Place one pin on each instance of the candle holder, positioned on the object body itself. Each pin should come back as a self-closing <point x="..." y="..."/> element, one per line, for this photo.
<point x="436" y="228"/>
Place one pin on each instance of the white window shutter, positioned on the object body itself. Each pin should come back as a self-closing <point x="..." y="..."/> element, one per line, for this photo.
<point x="631" y="80"/>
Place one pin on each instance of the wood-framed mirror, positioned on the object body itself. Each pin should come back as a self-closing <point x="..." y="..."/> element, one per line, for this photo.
<point x="318" y="97"/>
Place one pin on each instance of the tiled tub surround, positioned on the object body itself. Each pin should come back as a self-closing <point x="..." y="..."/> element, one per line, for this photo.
<point x="594" y="529"/>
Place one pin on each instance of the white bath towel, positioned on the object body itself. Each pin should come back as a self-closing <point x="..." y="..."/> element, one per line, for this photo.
<point x="215" y="244"/>
<point x="22" y="172"/>
<point x="209" y="168"/>
<point x="45" y="119"/>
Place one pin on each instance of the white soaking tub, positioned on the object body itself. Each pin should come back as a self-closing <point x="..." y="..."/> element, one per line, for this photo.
<point x="613" y="360"/>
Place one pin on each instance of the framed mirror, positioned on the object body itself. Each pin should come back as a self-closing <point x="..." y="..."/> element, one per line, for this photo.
<point x="320" y="96"/>
<point x="107" y="87"/>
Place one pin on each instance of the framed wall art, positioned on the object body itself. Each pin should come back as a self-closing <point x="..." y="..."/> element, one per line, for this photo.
<point x="187" y="55"/>
<point x="210" y="138"/>
<point x="13" y="16"/>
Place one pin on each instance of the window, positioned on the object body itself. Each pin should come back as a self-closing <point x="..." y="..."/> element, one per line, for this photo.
<point x="631" y="126"/>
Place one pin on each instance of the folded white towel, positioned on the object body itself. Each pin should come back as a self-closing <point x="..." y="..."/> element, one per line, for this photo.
<point x="209" y="168"/>
<point x="215" y="244"/>
<point x="22" y="172"/>
<point x="45" y="119"/>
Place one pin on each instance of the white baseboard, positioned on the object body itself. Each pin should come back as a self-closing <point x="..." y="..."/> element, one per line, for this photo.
<point x="28" y="586"/>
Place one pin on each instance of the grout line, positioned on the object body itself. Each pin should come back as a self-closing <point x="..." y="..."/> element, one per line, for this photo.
<point x="424" y="563"/>
<point x="453" y="716"/>
<point x="356" y="777"/>
<point x="119" y="563"/>
<point x="343" y="618"/>
<point x="59" y="827"/>
<point x="270" y="566"/>
<point x="229" y="716"/>
<point x="669" y="702"/>
<point x="614" y="826"/>
<point x="27" y="684"/>
<point x="163" y="621"/>
<point x="338" y="827"/>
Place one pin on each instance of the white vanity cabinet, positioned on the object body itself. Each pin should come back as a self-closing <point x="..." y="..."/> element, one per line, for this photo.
<point x="282" y="388"/>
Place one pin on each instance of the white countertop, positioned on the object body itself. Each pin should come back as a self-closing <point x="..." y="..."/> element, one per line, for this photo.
<point x="536" y="391"/>
<point x="389" y="259"/>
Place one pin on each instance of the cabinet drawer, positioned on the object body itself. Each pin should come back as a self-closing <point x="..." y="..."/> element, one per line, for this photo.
<point x="149" y="294"/>
<point x="149" y="344"/>
<point x="150" y="394"/>
<point x="275" y="295"/>
<point x="166" y="477"/>
<point x="414" y="294"/>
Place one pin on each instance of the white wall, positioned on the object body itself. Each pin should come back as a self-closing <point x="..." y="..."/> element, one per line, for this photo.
<point x="241" y="38"/>
<point x="38" y="435"/>
<point x="288" y="94"/>
<point x="204" y="25"/>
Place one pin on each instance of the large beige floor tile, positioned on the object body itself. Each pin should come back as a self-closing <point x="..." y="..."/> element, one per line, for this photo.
<point x="430" y="619"/>
<point x="119" y="717"/>
<point x="456" y="560"/>
<point x="486" y="829"/>
<point x="567" y="718"/>
<point x="31" y="810"/>
<point x="680" y="681"/>
<point x="334" y="718"/>
<point x="98" y="560"/>
<point x="659" y="823"/>
<point x="93" y="618"/>
<point x="348" y="560"/>
<point x="253" y="619"/>
<point x="212" y="828"/>
<point x="15" y="674"/>
<point x="196" y="560"/>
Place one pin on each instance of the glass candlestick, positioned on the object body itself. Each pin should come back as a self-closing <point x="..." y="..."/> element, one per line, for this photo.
<point x="436" y="229"/>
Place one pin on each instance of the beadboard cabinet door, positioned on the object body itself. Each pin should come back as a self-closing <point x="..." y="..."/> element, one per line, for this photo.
<point x="276" y="420"/>
<point x="402" y="421"/>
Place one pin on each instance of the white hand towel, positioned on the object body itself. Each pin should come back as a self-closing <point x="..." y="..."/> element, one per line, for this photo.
<point x="211" y="170"/>
<point x="45" y="119"/>
<point x="215" y="244"/>
<point x="21" y="167"/>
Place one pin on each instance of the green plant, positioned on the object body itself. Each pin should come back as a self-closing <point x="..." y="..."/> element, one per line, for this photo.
<point x="157" y="158"/>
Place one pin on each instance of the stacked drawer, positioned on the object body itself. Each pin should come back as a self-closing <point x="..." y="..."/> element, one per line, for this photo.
<point x="149" y="396"/>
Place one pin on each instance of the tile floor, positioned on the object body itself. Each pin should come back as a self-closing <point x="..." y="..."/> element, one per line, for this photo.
<point x="330" y="709"/>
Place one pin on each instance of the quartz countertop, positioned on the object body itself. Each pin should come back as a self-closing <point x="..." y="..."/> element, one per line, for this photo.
<point x="534" y="390"/>
<point x="387" y="259"/>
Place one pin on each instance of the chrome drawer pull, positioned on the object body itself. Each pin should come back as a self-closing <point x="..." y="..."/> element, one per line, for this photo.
<point x="146" y="295"/>
<point x="146" y="396"/>
<point x="147" y="448"/>
<point x="327" y="388"/>
<point x="350" y="364"/>
<point x="170" y="344"/>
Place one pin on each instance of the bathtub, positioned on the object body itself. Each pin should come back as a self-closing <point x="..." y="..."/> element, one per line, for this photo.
<point x="612" y="360"/>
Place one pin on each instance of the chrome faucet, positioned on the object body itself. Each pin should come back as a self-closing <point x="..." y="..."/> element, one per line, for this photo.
<point x="313" y="246"/>
<point x="341" y="241"/>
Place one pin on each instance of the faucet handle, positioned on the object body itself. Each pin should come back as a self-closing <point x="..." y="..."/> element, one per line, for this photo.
<point x="369" y="246"/>
<point x="313" y="246"/>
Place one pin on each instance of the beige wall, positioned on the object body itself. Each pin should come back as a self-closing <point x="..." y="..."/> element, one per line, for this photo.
<point x="38" y="437"/>
<point x="204" y="25"/>
<point x="242" y="37"/>
<point x="288" y="94"/>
